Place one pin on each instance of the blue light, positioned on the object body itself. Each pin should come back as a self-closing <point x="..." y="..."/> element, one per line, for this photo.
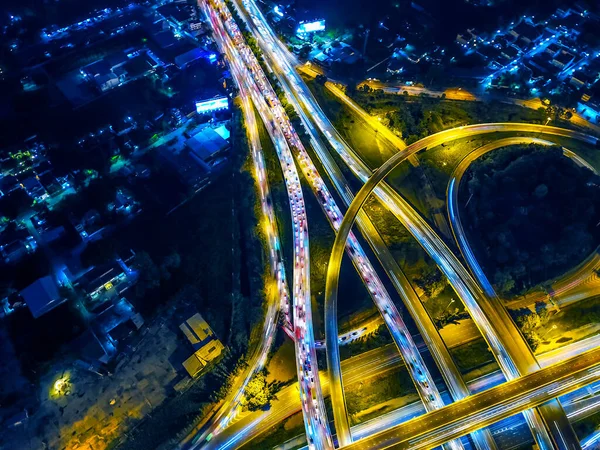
<point x="311" y="27"/>
<point x="212" y="57"/>
<point x="212" y="105"/>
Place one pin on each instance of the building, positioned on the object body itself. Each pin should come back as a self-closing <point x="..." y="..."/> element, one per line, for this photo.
<point x="34" y="188"/>
<point x="185" y="59"/>
<point x="192" y="172"/>
<point x="526" y="32"/>
<point x="42" y="296"/>
<point x="107" y="282"/>
<point x="509" y="53"/>
<point x="208" y="145"/>
<point x="206" y="345"/>
<point x="14" y="250"/>
<point x="108" y="72"/>
<point x="589" y="108"/>
<point x="106" y="81"/>
<point x="47" y="231"/>
<point x="580" y="79"/>
<point x="563" y="59"/>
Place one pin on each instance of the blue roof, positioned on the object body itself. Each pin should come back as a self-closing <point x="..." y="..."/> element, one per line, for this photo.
<point x="185" y="58"/>
<point x="206" y="143"/>
<point x="42" y="296"/>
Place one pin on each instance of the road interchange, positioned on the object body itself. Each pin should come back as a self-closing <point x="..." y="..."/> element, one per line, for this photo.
<point x="295" y="144"/>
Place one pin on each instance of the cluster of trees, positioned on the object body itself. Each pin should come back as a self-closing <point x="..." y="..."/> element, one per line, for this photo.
<point x="430" y="280"/>
<point x="530" y="323"/>
<point x="413" y="118"/>
<point x="533" y="214"/>
<point x="259" y="393"/>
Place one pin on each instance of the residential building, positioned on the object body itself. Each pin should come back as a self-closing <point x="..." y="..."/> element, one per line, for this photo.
<point x="42" y="296"/>
<point x="563" y="59"/>
<point x="207" y="145"/>
<point x="206" y="345"/>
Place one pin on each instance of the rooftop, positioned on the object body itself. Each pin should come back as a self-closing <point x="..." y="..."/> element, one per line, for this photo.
<point x="42" y="296"/>
<point x="206" y="143"/>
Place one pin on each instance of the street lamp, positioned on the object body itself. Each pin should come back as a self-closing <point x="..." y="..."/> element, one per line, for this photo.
<point x="448" y="305"/>
<point x="548" y="120"/>
<point x="547" y="331"/>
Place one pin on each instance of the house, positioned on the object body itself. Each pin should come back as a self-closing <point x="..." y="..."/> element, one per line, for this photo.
<point x="206" y="345"/>
<point x="509" y="53"/>
<point x="185" y="59"/>
<point x="113" y="324"/>
<point x="42" y="296"/>
<point x="8" y="183"/>
<point x="34" y="188"/>
<point x="106" y="81"/>
<point x="563" y="59"/>
<point x="589" y="108"/>
<point x="47" y="231"/>
<point x="106" y="282"/>
<point x="580" y="79"/>
<point x="15" y="246"/>
<point x="553" y="49"/>
<point x="463" y="39"/>
<point x="525" y="31"/>
<point x="88" y="226"/>
<point x="124" y="204"/>
<point x="207" y="145"/>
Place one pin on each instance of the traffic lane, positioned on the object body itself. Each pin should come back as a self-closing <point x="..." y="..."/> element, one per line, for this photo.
<point x="491" y="405"/>
<point x="378" y="361"/>
<point x="315" y="426"/>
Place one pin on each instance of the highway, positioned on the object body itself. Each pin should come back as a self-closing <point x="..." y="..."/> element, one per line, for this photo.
<point x="297" y="92"/>
<point x="336" y="339"/>
<point x="277" y="289"/>
<point x="485" y="408"/>
<point x="244" y="64"/>
<point x="507" y="356"/>
<point x="375" y="363"/>
<point x="520" y="353"/>
<point x="494" y="322"/>
<point x="419" y="372"/>
<point x="517" y="349"/>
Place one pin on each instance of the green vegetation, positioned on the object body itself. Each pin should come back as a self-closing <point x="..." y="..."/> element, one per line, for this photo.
<point x="533" y="214"/>
<point x="358" y="134"/>
<point x="287" y="429"/>
<point x="259" y="392"/>
<point x="530" y="323"/>
<point x="380" y="337"/>
<point x="378" y="390"/>
<point x="417" y="117"/>
<point x="471" y="355"/>
<point x="583" y="428"/>
<point x="407" y="252"/>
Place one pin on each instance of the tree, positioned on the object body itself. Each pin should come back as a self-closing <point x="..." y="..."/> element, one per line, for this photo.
<point x="149" y="273"/>
<point x="321" y="79"/>
<point x="304" y="51"/>
<point x="259" y="393"/>
<point x="431" y="281"/>
<point x="504" y="282"/>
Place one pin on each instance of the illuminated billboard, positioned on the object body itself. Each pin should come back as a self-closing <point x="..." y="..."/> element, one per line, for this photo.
<point x="311" y="27"/>
<point x="214" y="104"/>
